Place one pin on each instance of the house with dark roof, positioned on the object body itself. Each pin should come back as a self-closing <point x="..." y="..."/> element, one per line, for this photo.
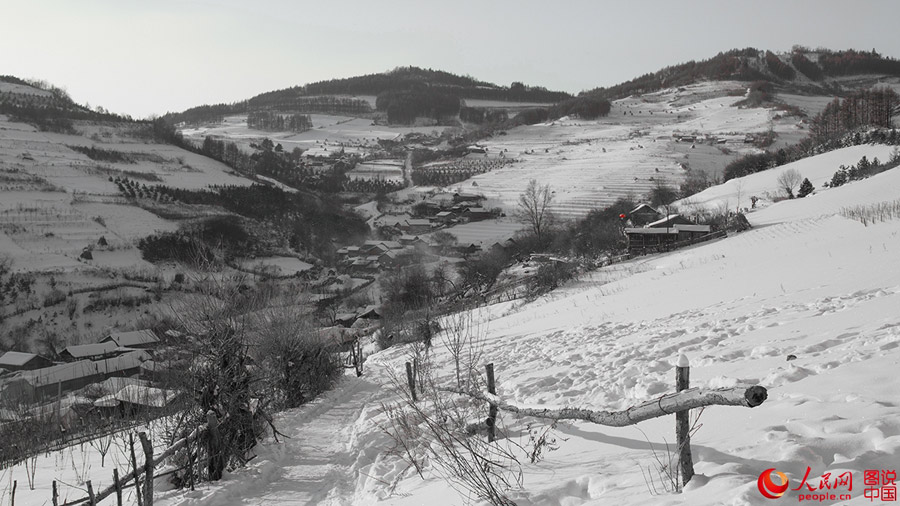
<point x="18" y="361"/>
<point x="373" y="248"/>
<point x="649" y="239"/>
<point x="388" y="258"/>
<point x="477" y="214"/>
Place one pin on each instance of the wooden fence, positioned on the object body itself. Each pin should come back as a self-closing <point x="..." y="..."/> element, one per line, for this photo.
<point x="141" y="477"/>
<point x="678" y="403"/>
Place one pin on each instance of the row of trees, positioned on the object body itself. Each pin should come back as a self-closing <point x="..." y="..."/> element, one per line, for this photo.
<point x="405" y="106"/>
<point x="272" y="121"/>
<point x="743" y="65"/>
<point x="866" y="108"/>
<point x="406" y="77"/>
<point x="319" y="97"/>
<point x="480" y="115"/>
<point x="53" y="112"/>
<point x="732" y="64"/>
<point x="863" y="169"/>
<point x="584" y="107"/>
<point x="840" y="63"/>
<point x="279" y="219"/>
<point x="811" y="145"/>
<point x="327" y="104"/>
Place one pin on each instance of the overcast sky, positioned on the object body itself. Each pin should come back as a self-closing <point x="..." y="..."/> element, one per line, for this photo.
<point x="144" y="57"/>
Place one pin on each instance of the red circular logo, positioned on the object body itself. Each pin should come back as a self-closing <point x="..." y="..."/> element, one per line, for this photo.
<point x="768" y="488"/>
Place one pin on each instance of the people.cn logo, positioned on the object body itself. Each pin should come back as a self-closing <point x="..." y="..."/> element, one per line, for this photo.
<point x="768" y="488"/>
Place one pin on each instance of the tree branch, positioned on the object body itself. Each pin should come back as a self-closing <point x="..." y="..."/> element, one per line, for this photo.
<point x="666" y="405"/>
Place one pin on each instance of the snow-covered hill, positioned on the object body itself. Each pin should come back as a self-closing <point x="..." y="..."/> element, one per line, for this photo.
<point x="804" y="282"/>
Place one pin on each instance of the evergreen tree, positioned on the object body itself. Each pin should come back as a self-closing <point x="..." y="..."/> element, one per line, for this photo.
<point x="806" y="187"/>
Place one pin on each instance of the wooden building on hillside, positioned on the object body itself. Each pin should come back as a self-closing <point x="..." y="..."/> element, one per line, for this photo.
<point x="50" y="382"/>
<point x="669" y="221"/>
<point x="644" y="240"/>
<point x="643" y="214"/>
<point x="94" y="351"/>
<point x="17" y="361"/>
<point x="141" y="339"/>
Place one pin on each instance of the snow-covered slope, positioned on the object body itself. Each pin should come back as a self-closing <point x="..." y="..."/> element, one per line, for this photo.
<point x="736" y="193"/>
<point x="804" y="281"/>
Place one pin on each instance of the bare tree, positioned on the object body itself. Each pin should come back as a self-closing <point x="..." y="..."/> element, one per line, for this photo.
<point x="788" y="180"/>
<point x="437" y="432"/>
<point x="252" y="354"/>
<point x="534" y="208"/>
<point x="463" y="336"/>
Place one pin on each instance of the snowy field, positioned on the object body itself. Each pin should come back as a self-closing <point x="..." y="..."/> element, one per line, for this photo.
<point x="55" y="201"/>
<point x="805" y="281"/>
<point x="329" y="134"/>
<point x="590" y="164"/>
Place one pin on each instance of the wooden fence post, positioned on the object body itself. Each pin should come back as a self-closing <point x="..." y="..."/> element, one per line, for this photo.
<point x="492" y="410"/>
<point x="682" y="422"/>
<point x="90" y="489"/>
<point x="117" y="485"/>
<point x="148" y="469"/>
<point x="216" y="453"/>
<point x="55" y="495"/>
<point x="411" y="380"/>
<point x="12" y="498"/>
<point x="191" y="462"/>
<point x="134" y="468"/>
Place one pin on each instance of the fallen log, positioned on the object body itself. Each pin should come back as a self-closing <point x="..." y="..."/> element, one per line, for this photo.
<point x="668" y="404"/>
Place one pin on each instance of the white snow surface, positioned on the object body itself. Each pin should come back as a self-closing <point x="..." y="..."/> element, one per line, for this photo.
<point x="804" y="281"/>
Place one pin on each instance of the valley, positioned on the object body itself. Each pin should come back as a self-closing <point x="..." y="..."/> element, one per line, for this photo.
<point x="319" y="261"/>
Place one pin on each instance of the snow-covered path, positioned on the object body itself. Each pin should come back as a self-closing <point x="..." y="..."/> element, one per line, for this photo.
<point x="316" y="465"/>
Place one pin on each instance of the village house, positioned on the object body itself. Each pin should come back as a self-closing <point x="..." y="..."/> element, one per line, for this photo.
<point x="411" y="240"/>
<point x="17" y="361"/>
<point x="670" y="221"/>
<point x="664" y="235"/>
<point x="141" y="339"/>
<point x="416" y="226"/>
<point x="370" y="312"/>
<point x="133" y="399"/>
<point x="344" y="319"/>
<point x="89" y="351"/>
<point x="49" y="382"/>
<point x="643" y="214"/>
<point x="461" y="197"/>
<point x="444" y="217"/>
<point x="373" y="248"/>
<point x="477" y="214"/>
<point x="389" y="259"/>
